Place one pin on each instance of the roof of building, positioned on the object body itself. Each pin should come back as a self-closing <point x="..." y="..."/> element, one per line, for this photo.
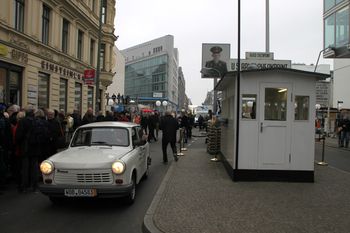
<point x="223" y="82"/>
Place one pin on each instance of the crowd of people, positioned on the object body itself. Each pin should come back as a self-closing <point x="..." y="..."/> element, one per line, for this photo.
<point x="28" y="136"/>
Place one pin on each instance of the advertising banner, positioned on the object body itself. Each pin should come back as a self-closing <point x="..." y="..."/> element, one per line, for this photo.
<point x="215" y="60"/>
<point x="89" y="77"/>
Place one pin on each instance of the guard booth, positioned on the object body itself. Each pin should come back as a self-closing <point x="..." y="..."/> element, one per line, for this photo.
<point x="275" y="125"/>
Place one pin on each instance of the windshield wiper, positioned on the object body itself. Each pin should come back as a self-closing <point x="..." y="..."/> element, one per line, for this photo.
<point x="100" y="143"/>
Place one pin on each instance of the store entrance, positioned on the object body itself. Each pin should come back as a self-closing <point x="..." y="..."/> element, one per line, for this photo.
<point x="10" y="84"/>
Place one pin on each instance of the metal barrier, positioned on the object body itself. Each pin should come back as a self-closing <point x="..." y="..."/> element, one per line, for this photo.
<point x="323" y="163"/>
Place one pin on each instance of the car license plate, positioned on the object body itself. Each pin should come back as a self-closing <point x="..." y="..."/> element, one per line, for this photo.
<point x="80" y="192"/>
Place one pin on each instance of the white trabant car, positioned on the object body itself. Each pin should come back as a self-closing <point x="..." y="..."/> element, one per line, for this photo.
<point x="104" y="159"/>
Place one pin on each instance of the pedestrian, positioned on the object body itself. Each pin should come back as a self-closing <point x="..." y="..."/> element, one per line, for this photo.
<point x="151" y="127"/>
<point x="88" y="117"/>
<point x="56" y="135"/>
<point x="17" y="152"/>
<point x="200" y="122"/>
<point x="184" y="125"/>
<point x="100" y="117"/>
<point x="5" y="144"/>
<point x="157" y="122"/>
<point x="144" y="122"/>
<point x="109" y="116"/>
<point x="346" y="133"/>
<point x="76" y="119"/>
<point x="33" y="137"/>
<point x="169" y="127"/>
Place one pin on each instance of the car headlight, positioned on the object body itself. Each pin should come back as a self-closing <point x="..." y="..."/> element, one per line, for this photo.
<point x="118" y="167"/>
<point x="46" y="167"/>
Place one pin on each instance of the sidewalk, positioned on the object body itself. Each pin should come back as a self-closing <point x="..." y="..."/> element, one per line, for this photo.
<point x="197" y="195"/>
<point x="332" y="142"/>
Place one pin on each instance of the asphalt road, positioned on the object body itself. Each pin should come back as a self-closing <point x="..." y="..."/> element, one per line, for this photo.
<point x="334" y="156"/>
<point x="34" y="213"/>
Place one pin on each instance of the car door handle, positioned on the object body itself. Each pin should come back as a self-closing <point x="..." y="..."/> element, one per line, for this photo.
<point x="261" y="127"/>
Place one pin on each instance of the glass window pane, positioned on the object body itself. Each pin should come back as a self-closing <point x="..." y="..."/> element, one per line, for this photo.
<point x="301" y="107"/>
<point x="342" y="27"/>
<point x="328" y="4"/>
<point x="249" y="106"/>
<point x="78" y="97"/>
<point x="63" y="94"/>
<point x="90" y="97"/>
<point x="43" y="90"/>
<point x="276" y="104"/>
<point x="338" y="1"/>
<point x="329" y="26"/>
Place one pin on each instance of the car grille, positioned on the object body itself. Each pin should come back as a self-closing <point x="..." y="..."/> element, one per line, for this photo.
<point x="82" y="177"/>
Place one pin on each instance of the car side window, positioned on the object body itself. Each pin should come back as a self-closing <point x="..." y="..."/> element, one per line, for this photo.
<point x="135" y="138"/>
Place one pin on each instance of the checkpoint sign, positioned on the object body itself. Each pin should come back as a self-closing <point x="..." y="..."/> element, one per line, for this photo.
<point x="89" y="77"/>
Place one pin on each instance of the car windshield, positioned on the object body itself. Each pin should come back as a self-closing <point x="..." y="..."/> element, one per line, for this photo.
<point x="101" y="136"/>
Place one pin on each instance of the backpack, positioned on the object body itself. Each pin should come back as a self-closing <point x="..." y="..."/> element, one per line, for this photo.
<point x="39" y="133"/>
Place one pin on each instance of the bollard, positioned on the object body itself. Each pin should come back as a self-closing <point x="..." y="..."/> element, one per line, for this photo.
<point x="323" y="163"/>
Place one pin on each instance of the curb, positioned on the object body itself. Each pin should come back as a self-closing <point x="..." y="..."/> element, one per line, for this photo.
<point x="148" y="225"/>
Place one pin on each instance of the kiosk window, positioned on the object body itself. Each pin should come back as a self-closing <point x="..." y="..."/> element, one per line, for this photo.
<point x="301" y="107"/>
<point x="276" y="104"/>
<point x="248" y="106"/>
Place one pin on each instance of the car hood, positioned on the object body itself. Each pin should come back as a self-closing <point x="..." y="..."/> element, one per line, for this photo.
<point x="88" y="157"/>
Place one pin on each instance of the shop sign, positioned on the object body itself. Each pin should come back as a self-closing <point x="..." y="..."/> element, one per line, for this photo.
<point x="19" y="56"/>
<point x="258" y="55"/>
<point x="3" y="50"/>
<point x="60" y="70"/>
<point x="157" y="94"/>
<point x="260" y="64"/>
<point x="89" y="77"/>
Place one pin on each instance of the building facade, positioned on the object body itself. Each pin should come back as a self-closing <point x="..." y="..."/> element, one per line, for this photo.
<point x="118" y="84"/>
<point x="182" y="91"/>
<point x="336" y="17"/>
<point x="45" y="47"/>
<point x="151" y="72"/>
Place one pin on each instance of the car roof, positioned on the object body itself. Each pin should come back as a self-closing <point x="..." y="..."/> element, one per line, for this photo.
<point x="110" y="124"/>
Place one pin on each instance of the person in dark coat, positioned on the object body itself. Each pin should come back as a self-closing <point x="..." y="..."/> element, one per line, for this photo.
<point x="88" y="117"/>
<point x="169" y="126"/>
<point x="109" y="116"/>
<point x="151" y="127"/>
<point x="5" y="144"/>
<point x="100" y="117"/>
<point x="55" y="132"/>
<point x="144" y="122"/>
<point x="32" y="135"/>
<point x="76" y="120"/>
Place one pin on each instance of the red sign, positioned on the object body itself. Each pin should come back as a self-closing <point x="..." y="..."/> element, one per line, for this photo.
<point x="89" y="77"/>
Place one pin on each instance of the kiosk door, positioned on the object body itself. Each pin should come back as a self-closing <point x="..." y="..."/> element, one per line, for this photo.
<point x="274" y="125"/>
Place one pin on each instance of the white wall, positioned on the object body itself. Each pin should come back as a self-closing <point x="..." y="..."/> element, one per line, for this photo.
<point x="118" y="64"/>
<point x="341" y="82"/>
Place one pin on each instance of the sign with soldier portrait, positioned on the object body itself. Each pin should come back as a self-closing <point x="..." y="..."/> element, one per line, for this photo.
<point x="215" y="60"/>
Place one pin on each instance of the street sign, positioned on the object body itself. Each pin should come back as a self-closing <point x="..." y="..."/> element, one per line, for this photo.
<point x="89" y="77"/>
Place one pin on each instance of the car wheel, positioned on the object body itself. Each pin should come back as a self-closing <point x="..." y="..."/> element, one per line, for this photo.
<point x="56" y="200"/>
<point x="130" y="199"/>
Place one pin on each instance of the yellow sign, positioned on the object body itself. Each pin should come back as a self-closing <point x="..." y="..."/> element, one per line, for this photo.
<point x="3" y="50"/>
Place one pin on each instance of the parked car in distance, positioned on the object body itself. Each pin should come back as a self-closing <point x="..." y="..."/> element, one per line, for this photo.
<point x="104" y="159"/>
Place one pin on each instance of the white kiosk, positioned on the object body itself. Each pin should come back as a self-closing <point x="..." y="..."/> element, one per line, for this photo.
<point x="276" y="124"/>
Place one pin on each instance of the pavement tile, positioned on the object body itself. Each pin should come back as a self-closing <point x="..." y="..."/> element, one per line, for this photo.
<point x="199" y="196"/>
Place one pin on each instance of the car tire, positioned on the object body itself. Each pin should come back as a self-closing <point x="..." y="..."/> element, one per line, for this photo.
<point x="130" y="199"/>
<point x="56" y="200"/>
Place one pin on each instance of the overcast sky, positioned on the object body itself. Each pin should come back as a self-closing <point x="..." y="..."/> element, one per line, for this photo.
<point x="296" y="30"/>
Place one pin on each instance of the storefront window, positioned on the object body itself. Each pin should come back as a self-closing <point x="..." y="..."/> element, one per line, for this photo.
<point x="248" y="106"/>
<point x="342" y="27"/>
<point x="78" y="97"/>
<point x="90" y="97"/>
<point x="275" y="104"/>
<point x="14" y="87"/>
<point x="329" y="27"/>
<point x="63" y="94"/>
<point x="43" y="90"/>
<point x="301" y="107"/>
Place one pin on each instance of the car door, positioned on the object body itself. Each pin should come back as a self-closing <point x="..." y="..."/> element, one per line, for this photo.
<point x="140" y="150"/>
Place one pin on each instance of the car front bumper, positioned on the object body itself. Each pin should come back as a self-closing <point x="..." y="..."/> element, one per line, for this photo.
<point x="103" y="191"/>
